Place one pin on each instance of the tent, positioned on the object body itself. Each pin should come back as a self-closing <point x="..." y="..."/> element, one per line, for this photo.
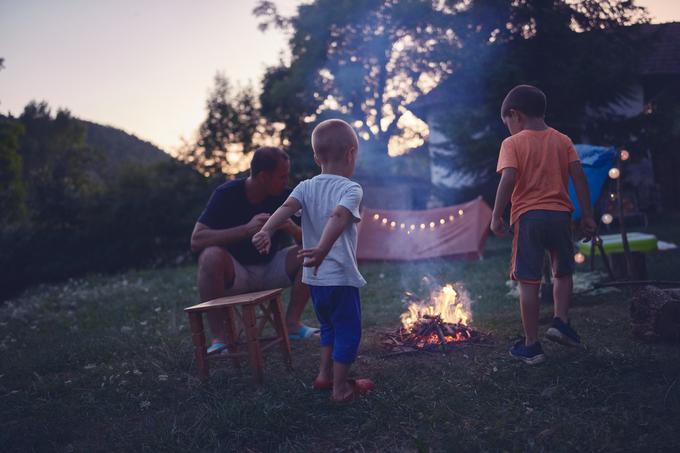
<point x="596" y="162"/>
<point x="453" y="231"/>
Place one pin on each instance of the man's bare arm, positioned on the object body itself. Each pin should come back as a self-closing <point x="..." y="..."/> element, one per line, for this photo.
<point x="203" y="236"/>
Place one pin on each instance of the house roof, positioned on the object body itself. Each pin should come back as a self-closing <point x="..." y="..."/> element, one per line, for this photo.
<point x="663" y="58"/>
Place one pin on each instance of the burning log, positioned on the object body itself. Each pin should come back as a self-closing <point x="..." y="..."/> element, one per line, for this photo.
<point x="436" y="324"/>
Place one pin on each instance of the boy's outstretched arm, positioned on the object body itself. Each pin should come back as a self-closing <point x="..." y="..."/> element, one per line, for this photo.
<point x="588" y="224"/>
<point x="262" y="239"/>
<point x="336" y="224"/>
<point x="505" y="188"/>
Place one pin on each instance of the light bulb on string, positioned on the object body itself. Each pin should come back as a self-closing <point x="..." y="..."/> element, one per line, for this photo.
<point x="376" y="216"/>
<point x="612" y="196"/>
<point x="442" y="221"/>
<point x="607" y="218"/>
<point x="402" y="226"/>
<point x="432" y="224"/>
<point x="384" y="221"/>
<point x="393" y="224"/>
<point x="579" y="258"/>
<point x="450" y="218"/>
<point x="422" y="226"/>
<point x="614" y="173"/>
<point x="460" y="212"/>
<point x="625" y="155"/>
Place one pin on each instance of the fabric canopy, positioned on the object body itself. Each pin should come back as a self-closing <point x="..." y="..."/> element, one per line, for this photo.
<point x="453" y="231"/>
<point x="596" y="162"/>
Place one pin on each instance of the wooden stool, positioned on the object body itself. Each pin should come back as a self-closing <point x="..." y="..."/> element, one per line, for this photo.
<point x="242" y="307"/>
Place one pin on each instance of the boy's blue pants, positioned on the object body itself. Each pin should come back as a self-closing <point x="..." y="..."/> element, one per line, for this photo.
<point x="338" y="309"/>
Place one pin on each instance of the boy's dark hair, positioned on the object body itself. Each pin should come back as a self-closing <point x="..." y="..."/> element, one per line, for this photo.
<point x="266" y="159"/>
<point x="526" y="99"/>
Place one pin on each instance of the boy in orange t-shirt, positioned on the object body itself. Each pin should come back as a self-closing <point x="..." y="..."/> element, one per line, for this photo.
<point x="535" y="165"/>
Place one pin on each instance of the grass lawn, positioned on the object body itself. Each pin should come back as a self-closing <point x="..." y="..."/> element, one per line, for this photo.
<point x="106" y="363"/>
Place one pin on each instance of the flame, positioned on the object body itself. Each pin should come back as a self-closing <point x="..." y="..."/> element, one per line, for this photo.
<point x="446" y="303"/>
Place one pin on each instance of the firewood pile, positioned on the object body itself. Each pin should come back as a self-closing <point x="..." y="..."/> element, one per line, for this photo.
<point x="432" y="334"/>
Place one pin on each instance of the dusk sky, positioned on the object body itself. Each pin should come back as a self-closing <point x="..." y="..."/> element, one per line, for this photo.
<point x="143" y="66"/>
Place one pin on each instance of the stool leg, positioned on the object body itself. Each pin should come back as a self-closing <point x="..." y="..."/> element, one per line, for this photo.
<point x="198" y="339"/>
<point x="232" y="335"/>
<point x="256" y="363"/>
<point x="276" y="307"/>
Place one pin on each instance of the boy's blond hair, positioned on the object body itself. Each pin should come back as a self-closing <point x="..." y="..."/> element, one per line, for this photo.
<point x="332" y="140"/>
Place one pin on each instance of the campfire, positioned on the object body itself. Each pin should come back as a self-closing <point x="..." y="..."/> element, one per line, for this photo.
<point x="436" y="323"/>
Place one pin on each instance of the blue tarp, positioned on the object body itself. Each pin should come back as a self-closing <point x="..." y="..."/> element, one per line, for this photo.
<point x="596" y="162"/>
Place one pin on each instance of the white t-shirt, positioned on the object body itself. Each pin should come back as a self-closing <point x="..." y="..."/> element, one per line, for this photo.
<point x="319" y="196"/>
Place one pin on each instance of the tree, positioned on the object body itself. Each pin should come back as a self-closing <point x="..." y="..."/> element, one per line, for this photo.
<point x="583" y="55"/>
<point x="13" y="194"/>
<point x="55" y="166"/>
<point x="363" y="61"/>
<point x="232" y="129"/>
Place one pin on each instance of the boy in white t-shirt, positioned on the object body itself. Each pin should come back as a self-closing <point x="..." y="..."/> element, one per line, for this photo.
<point x="330" y="211"/>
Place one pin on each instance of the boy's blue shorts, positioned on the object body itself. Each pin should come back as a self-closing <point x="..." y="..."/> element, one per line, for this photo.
<point x="338" y="309"/>
<point x="535" y="233"/>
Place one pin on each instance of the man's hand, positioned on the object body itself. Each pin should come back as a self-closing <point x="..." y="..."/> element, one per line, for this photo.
<point x="588" y="228"/>
<point x="313" y="257"/>
<point x="262" y="242"/>
<point x="498" y="226"/>
<point x="256" y="223"/>
<point x="287" y="225"/>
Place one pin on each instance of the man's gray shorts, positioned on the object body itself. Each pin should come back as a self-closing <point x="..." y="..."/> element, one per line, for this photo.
<point x="260" y="277"/>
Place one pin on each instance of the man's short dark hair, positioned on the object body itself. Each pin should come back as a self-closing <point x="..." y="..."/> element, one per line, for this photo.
<point x="526" y="99"/>
<point x="266" y="159"/>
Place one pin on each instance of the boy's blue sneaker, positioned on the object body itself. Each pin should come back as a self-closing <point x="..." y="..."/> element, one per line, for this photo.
<point x="216" y="347"/>
<point x="563" y="333"/>
<point x="532" y="355"/>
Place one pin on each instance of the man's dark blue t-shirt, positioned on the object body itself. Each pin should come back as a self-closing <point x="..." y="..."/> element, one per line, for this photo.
<point x="229" y="207"/>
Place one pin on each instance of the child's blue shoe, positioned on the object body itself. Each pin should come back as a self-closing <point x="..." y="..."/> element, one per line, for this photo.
<point x="532" y="355"/>
<point x="563" y="333"/>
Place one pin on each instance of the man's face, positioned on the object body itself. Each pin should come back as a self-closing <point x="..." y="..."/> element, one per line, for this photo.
<point x="276" y="181"/>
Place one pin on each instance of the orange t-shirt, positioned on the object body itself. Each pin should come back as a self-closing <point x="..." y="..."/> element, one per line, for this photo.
<point x="542" y="161"/>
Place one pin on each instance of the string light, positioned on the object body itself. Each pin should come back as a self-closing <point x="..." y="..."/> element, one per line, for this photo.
<point x="579" y="258"/>
<point x="625" y="155"/>
<point x="614" y="173"/>
<point x="612" y="196"/>
<point x="409" y="228"/>
<point x="607" y="218"/>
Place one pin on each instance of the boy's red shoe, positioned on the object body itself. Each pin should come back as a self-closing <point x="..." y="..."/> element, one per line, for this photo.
<point x="320" y="384"/>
